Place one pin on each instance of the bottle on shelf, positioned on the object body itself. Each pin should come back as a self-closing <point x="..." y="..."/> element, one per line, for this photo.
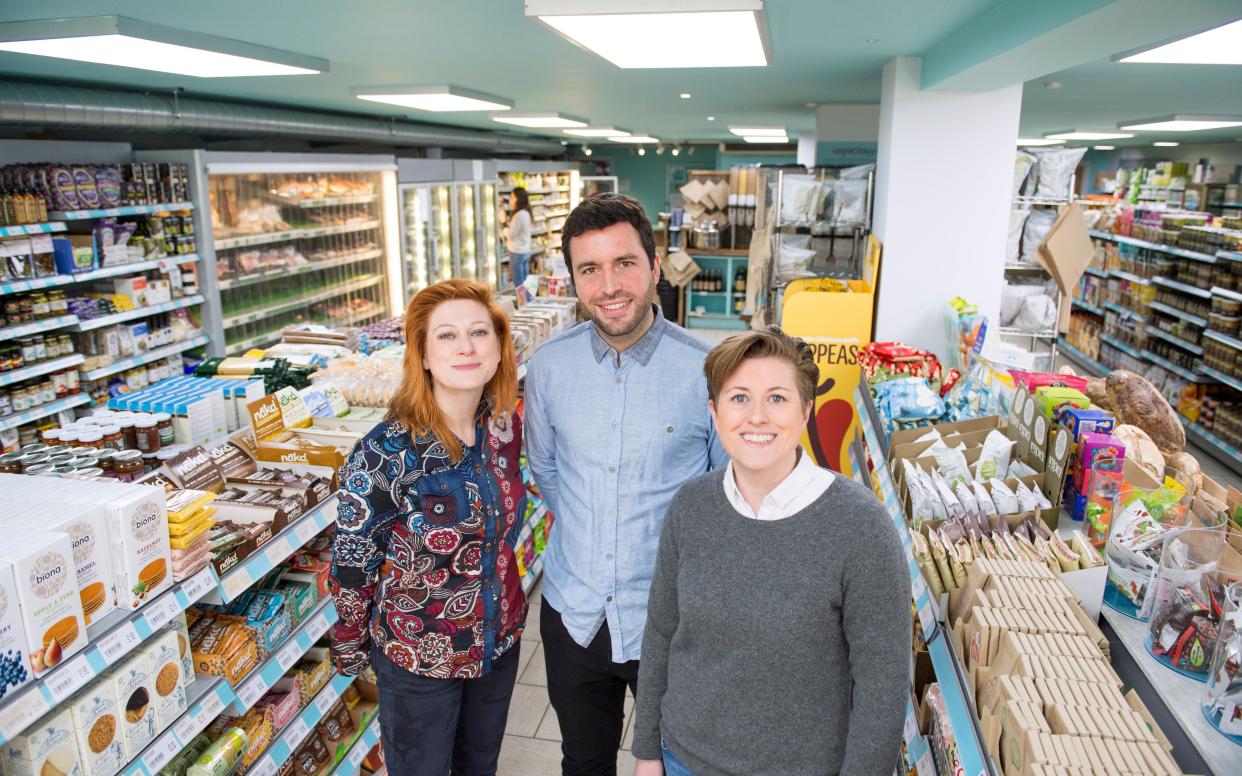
<point x="739" y="280"/>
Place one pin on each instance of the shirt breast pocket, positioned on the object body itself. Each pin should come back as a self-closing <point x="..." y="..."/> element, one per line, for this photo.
<point x="449" y="500"/>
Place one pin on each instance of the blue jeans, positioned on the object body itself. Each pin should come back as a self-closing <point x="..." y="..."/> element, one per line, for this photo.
<point x="519" y="265"/>
<point x="673" y="766"/>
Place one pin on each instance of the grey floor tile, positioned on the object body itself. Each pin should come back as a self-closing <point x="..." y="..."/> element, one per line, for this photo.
<point x="526" y="710"/>
<point x="549" y="728"/>
<point x="536" y="672"/>
<point x="530" y="757"/>
<point x="531" y="633"/>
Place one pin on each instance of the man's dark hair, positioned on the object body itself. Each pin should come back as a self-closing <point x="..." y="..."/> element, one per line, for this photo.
<point x="602" y="211"/>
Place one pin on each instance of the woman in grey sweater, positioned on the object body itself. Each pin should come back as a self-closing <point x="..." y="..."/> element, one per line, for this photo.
<point x="779" y="624"/>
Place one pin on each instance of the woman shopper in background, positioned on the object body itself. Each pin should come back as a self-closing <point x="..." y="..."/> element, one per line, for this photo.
<point x="517" y="235"/>
<point x="778" y="623"/>
<point x="423" y="571"/>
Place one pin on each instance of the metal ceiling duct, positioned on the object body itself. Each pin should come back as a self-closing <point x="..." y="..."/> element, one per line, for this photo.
<point x="54" y="106"/>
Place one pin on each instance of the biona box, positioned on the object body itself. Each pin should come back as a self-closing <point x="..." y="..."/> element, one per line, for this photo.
<point x="97" y="722"/>
<point x="47" y="590"/>
<point x="15" y="668"/>
<point x="49" y="747"/>
<point x="131" y="682"/>
<point x="167" y="679"/>
<point x="137" y="525"/>
<point x="181" y="633"/>
<point x="92" y="550"/>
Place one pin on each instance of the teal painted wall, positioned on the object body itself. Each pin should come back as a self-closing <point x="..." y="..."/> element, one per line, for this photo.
<point x="645" y="178"/>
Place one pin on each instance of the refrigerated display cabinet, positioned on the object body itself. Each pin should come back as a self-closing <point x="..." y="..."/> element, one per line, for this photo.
<point x="597" y="184"/>
<point x="448" y="209"/>
<point x="293" y="238"/>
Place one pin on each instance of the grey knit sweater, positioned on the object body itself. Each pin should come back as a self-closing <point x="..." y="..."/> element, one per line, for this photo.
<point x="776" y="647"/>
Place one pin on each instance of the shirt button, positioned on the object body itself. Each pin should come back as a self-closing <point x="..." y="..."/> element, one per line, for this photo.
<point x="612" y="469"/>
<point x="609" y="599"/>
<point x="618" y="379"/>
<point x="610" y="556"/>
<point x="612" y="513"/>
<point x="478" y="470"/>
<point x="615" y="424"/>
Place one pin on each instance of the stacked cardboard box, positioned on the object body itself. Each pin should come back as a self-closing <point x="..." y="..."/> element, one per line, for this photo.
<point x="1047" y="697"/>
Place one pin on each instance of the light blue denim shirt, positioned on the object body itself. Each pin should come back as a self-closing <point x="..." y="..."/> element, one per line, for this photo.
<point x="609" y="441"/>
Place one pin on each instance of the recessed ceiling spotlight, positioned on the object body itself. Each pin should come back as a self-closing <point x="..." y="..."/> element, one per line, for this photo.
<point x="711" y="118"/>
<point x="684" y="95"/>
<point x="1166" y="144"/>
<point x="642" y="151"/>
<point x="812" y="105"/>
<point x="440" y="98"/>
<point x="1053" y="85"/>
<point x="641" y="34"/>
<point x="586" y="149"/>
<point x="1105" y="148"/>
<point x="1182" y="123"/>
<point x="1219" y="46"/>
<point x="871" y="40"/>
<point x="676" y="150"/>
<point x="126" y="42"/>
<point x="540" y="120"/>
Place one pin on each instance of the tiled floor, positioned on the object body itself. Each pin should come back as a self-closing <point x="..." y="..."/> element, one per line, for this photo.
<point x="532" y="739"/>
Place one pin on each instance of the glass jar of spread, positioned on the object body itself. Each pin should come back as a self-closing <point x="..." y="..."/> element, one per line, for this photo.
<point x="57" y="449"/>
<point x="92" y="439"/>
<point x="163" y="421"/>
<point x="34" y="459"/>
<point x="147" y="434"/>
<point x="150" y="461"/>
<point x="62" y="459"/>
<point x="127" y="465"/>
<point x="129" y="435"/>
<point x="89" y="471"/>
<point x="11" y="463"/>
<point x="45" y="469"/>
<point x="34" y="447"/>
<point x="50" y="436"/>
<point x="111" y="437"/>
<point x="105" y="459"/>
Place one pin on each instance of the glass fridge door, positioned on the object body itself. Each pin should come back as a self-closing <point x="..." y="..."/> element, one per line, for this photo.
<point x="467" y="231"/>
<point x="416" y="238"/>
<point x="442" y="232"/>
<point x="489" y="236"/>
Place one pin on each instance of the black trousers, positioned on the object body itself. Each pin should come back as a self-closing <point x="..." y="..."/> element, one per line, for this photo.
<point x="587" y="690"/>
<point x="434" y="727"/>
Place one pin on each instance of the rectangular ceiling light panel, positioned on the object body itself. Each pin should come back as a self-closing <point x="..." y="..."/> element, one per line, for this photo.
<point x="598" y="132"/>
<point x="759" y="131"/>
<point x="636" y="34"/>
<point x="540" y="120"/>
<point x="1088" y="136"/>
<point x="125" y="42"/>
<point x="1038" y="141"/>
<point x="635" y="139"/>
<point x="766" y="139"/>
<point x="1219" y="46"/>
<point x="1180" y="123"/>
<point x="440" y="99"/>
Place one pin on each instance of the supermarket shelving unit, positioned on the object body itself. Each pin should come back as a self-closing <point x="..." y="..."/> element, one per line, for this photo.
<point x="1143" y="323"/>
<point x="555" y="190"/>
<point x="871" y="444"/>
<point x="81" y="221"/>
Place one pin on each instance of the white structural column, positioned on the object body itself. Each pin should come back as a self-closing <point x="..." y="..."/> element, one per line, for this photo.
<point x="944" y="181"/>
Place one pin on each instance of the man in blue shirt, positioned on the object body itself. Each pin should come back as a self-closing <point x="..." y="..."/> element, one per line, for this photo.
<point x="616" y="421"/>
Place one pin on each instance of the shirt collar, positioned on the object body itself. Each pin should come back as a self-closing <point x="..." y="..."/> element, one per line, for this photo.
<point x="641" y="350"/>
<point x="783" y="494"/>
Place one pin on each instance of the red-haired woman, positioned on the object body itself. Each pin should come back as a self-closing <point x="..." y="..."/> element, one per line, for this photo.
<point x="423" y="569"/>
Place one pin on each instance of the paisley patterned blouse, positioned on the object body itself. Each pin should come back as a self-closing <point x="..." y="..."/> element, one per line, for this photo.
<point x="423" y="566"/>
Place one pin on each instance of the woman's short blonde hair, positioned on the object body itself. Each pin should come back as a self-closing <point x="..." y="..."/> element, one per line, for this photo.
<point x="770" y="342"/>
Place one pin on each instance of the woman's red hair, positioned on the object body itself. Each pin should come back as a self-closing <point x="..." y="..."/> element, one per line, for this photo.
<point x="414" y="404"/>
